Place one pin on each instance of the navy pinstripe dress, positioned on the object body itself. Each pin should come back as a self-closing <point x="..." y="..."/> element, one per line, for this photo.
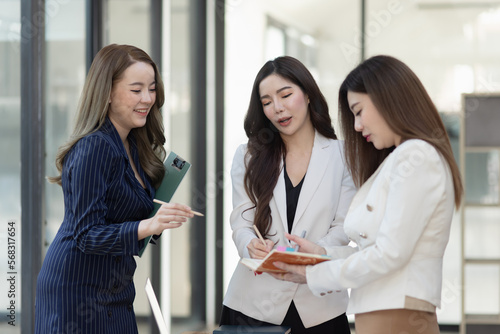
<point x="85" y="285"/>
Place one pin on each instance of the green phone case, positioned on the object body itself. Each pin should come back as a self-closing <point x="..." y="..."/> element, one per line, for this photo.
<point x="175" y="169"/>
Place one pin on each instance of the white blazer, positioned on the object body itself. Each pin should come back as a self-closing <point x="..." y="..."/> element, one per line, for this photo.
<point x="324" y="199"/>
<point x="400" y="219"/>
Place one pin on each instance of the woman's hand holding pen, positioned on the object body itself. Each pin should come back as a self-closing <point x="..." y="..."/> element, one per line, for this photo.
<point x="168" y="216"/>
<point x="306" y="246"/>
<point x="259" y="250"/>
<point x="297" y="273"/>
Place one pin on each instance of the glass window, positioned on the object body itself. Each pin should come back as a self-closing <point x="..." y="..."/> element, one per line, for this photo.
<point x="482" y="290"/>
<point x="482" y="177"/>
<point x="127" y="22"/>
<point x="178" y="133"/>
<point x="10" y="178"/>
<point x="65" y="75"/>
<point x="275" y="41"/>
<point x="450" y="45"/>
<point x="282" y="39"/>
<point x="482" y="232"/>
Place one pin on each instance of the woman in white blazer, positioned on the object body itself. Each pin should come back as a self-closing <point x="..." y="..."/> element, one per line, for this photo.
<point x="398" y="152"/>
<point x="290" y="177"/>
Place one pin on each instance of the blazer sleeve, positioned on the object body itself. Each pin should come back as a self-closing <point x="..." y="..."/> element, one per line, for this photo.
<point x="416" y="187"/>
<point x="91" y="172"/>
<point x="242" y="216"/>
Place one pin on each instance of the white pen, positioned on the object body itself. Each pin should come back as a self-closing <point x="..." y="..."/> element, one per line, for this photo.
<point x="303" y="235"/>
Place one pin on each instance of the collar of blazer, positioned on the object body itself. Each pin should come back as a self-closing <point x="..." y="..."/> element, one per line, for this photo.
<point x="321" y="155"/>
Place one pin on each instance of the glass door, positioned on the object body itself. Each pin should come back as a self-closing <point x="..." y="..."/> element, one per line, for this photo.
<point x="10" y="173"/>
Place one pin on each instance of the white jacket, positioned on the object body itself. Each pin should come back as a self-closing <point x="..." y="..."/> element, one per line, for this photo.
<point x="324" y="199"/>
<point x="400" y="219"/>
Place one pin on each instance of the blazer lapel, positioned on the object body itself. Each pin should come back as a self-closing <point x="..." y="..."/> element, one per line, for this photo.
<point x="365" y="188"/>
<point x="320" y="158"/>
<point x="279" y="195"/>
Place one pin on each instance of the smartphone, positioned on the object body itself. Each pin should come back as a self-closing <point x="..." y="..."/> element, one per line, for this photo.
<point x="175" y="170"/>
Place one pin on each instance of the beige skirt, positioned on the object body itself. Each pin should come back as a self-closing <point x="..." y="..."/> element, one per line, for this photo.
<point x="397" y="321"/>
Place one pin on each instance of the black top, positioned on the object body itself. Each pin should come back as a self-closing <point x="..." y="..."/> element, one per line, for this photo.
<point x="292" y="198"/>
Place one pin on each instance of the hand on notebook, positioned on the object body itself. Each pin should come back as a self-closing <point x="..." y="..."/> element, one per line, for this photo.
<point x="295" y="273"/>
<point x="258" y="250"/>
<point x="168" y="216"/>
<point x="306" y="246"/>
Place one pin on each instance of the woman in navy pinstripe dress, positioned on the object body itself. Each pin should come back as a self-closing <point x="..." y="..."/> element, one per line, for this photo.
<point x="109" y="170"/>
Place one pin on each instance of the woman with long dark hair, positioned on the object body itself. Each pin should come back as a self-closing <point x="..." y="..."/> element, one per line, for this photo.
<point x="289" y="178"/>
<point x="109" y="171"/>
<point x="400" y="156"/>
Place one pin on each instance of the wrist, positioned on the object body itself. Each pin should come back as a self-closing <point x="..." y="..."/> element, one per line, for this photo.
<point x="144" y="229"/>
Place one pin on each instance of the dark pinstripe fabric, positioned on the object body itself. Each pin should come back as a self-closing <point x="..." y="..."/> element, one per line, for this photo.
<point x="85" y="285"/>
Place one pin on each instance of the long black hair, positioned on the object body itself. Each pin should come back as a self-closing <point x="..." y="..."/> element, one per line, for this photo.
<point x="266" y="149"/>
<point x="403" y="102"/>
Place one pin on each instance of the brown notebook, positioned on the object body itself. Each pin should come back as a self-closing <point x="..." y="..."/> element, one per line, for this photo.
<point x="290" y="257"/>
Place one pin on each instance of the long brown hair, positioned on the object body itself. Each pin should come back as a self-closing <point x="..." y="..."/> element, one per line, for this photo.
<point x="403" y="102"/>
<point x="108" y="67"/>
<point x="266" y="149"/>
